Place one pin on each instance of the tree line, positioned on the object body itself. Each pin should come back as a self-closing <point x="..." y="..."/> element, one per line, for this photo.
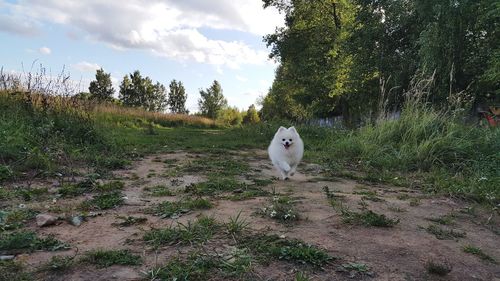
<point x="138" y="91"/>
<point x="342" y="57"/>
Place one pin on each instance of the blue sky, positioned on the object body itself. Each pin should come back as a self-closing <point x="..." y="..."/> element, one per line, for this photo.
<point x="194" y="41"/>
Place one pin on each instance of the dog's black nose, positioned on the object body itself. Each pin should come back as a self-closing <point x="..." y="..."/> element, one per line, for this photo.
<point x="287" y="143"/>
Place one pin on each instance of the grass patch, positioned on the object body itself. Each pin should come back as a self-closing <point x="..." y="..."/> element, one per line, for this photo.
<point x="366" y="218"/>
<point x="14" y="219"/>
<point x="106" y="258"/>
<point x="478" y="252"/>
<point x="190" y="233"/>
<point x="175" y="209"/>
<point x="111" y="186"/>
<point x="438" y="268"/>
<point x="159" y="191"/>
<point x="281" y="209"/>
<point x="129" y="220"/>
<point x="444" y="233"/>
<point x="14" y="271"/>
<point x="219" y="164"/>
<point x="443" y="220"/>
<point x="59" y="263"/>
<point x="104" y="201"/>
<point x="197" y="266"/>
<point x="236" y="225"/>
<point x="215" y="185"/>
<point x="296" y="251"/>
<point x="248" y="193"/>
<point x="27" y="241"/>
<point x="29" y="194"/>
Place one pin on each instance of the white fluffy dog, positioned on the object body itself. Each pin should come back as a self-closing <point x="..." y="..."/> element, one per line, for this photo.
<point x="286" y="150"/>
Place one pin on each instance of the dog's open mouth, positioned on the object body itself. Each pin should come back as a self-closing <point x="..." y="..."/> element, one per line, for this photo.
<point x="287" y="145"/>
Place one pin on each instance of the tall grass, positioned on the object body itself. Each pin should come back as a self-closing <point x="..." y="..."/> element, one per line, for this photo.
<point x="446" y="154"/>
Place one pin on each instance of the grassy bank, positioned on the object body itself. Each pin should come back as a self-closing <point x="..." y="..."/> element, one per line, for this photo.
<point x="425" y="148"/>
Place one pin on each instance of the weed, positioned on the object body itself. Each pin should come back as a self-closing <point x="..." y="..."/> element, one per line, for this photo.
<point x="262" y="182"/>
<point x="396" y="209"/>
<point x="365" y="217"/>
<point x="105" y="258"/>
<point x="221" y="165"/>
<point x="174" y="209"/>
<point x="281" y="209"/>
<point x="438" y="268"/>
<point x="59" y="263"/>
<point x="193" y="232"/>
<point x="478" y="252"/>
<point x="111" y="186"/>
<point x="301" y="276"/>
<point x="16" y="218"/>
<point x="159" y="191"/>
<point x="414" y="201"/>
<point x="236" y="225"/>
<point x="104" y="201"/>
<point x="215" y="185"/>
<point x="443" y="220"/>
<point x="129" y="220"/>
<point x="289" y="250"/>
<point x="443" y="233"/>
<point x="14" y="271"/>
<point x="248" y="193"/>
<point x="28" y="194"/>
<point x="356" y="267"/>
<point x="26" y="241"/>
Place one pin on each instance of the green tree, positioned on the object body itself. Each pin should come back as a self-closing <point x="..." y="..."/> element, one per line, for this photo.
<point x="101" y="88"/>
<point x="251" y="116"/>
<point x="177" y="97"/>
<point x="138" y="91"/>
<point x="229" y="116"/>
<point x="212" y="100"/>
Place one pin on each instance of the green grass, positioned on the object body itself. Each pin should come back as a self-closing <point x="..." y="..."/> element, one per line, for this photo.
<point x="15" y="218"/>
<point x="218" y="164"/>
<point x="478" y="252"/>
<point x="104" y="201"/>
<point x="282" y="209"/>
<point x="14" y="271"/>
<point x="438" y="268"/>
<point x="296" y="251"/>
<point x="236" y="225"/>
<point x="197" y="266"/>
<point x="444" y="233"/>
<point x="106" y="258"/>
<point x="130" y="220"/>
<point x="159" y="191"/>
<point x="366" y="218"/>
<point x="443" y="220"/>
<point x="59" y="264"/>
<point x="27" y="241"/>
<point x="111" y="186"/>
<point x="215" y="185"/>
<point x="198" y="231"/>
<point x="170" y="209"/>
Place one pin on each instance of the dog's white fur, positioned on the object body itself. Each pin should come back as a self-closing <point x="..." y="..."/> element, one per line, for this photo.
<point x="286" y="150"/>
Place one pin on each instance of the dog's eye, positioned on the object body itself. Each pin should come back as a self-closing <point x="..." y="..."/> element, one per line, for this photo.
<point x="283" y="140"/>
<point x="290" y="139"/>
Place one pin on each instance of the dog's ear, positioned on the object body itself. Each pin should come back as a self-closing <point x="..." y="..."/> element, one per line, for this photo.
<point x="292" y="129"/>
<point x="281" y="129"/>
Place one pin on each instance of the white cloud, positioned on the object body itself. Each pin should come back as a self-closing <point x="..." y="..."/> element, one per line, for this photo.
<point x="85" y="66"/>
<point x="168" y="28"/>
<point x="241" y="78"/>
<point x="45" y="51"/>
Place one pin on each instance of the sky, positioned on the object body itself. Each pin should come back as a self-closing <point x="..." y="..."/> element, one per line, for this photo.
<point x="194" y="41"/>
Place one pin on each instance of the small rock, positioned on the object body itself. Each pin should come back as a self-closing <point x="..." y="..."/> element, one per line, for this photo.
<point x="45" y="220"/>
<point x="238" y="190"/>
<point x="76" y="220"/>
<point x="22" y="206"/>
<point x="56" y="184"/>
<point x="6" y="258"/>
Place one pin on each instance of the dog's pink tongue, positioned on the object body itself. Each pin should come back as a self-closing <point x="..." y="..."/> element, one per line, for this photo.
<point x="287" y="146"/>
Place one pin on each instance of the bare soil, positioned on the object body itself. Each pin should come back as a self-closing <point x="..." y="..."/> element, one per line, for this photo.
<point x="395" y="253"/>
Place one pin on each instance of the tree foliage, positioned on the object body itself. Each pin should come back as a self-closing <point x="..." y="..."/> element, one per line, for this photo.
<point x="138" y="91"/>
<point x="251" y="116"/>
<point x="101" y="88"/>
<point x="177" y="97"/>
<point x="212" y="100"/>
<point x="346" y="56"/>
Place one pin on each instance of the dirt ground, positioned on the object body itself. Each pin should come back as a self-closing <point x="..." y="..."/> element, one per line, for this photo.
<point x="395" y="253"/>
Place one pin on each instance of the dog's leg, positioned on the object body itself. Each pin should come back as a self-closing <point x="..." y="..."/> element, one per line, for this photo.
<point x="284" y="166"/>
<point x="292" y="170"/>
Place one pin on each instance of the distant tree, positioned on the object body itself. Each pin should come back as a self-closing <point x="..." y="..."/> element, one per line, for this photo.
<point x="137" y="91"/>
<point x="177" y="97"/>
<point x="101" y="88"/>
<point x="229" y="116"/>
<point x="212" y="100"/>
<point x="251" y="117"/>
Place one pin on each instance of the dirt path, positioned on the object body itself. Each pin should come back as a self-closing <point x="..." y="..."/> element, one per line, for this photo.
<point x="389" y="253"/>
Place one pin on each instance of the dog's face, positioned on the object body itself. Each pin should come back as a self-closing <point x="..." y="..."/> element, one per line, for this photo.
<point x="287" y="137"/>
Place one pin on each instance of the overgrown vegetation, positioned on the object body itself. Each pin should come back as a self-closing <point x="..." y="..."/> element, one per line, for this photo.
<point x="478" y="252"/>
<point x="175" y="209"/>
<point x="27" y="241"/>
<point x="105" y="258"/>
